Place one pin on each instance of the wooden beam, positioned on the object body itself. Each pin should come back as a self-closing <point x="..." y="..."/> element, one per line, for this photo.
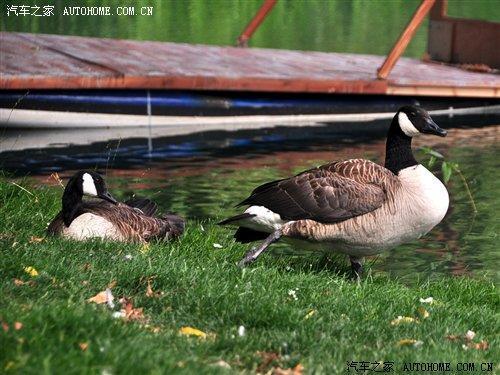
<point x="196" y="83"/>
<point x="261" y="14"/>
<point x="404" y="39"/>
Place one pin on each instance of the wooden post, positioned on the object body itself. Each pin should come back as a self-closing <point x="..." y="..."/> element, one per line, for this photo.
<point x="255" y="23"/>
<point x="404" y="38"/>
<point x="439" y="10"/>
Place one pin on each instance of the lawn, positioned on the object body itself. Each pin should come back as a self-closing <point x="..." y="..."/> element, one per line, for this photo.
<point x="296" y="312"/>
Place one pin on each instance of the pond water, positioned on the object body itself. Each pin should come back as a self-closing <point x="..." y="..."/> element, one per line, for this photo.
<point x="359" y="26"/>
<point x="202" y="176"/>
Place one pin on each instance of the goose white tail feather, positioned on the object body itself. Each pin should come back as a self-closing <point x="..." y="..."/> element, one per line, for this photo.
<point x="264" y="220"/>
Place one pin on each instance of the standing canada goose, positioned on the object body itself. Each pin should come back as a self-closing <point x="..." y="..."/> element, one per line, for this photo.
<point x="355" y="206"/>
<point x="133" y="221"/>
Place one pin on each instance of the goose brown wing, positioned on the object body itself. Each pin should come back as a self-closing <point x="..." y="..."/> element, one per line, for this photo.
<point x="327" y="194"/>
<point x="146" y="206"/>
<point x="136" y="225"/>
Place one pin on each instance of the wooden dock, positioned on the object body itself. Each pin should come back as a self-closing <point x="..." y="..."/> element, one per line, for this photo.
<point x="37" y="61"/>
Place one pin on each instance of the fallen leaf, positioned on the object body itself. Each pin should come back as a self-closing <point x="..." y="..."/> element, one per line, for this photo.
<point x="144" y="248"/>
<point x="31" y="271"/>
<point x="149" y="290"/>
<point x="423" y="312"/>
<point x="18" y="282"/>
<point x="190" y="331"/>
<point x="18" y="326"/>
<point x="297" y="370"/>
<point x="99" y="298"/>
<point x="310" y="314"/>
<point x="403" y="319"/>
<point x="34" y="239"/>
<point x="266" y="359"/>
<point x="410" y="342"/>
<point x="482" y="345"/>
<point x="467" y="341"/>
<point x="83" y="346"/>
<point x="155" y="329"/>
<point x="132" y="313"/>
<point x="103" y="297"/>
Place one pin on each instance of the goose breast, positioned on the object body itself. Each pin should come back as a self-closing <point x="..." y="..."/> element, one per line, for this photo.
<point x="90" y="225"/>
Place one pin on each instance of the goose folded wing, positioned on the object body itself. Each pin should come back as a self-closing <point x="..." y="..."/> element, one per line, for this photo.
<point x="319" y="195"/>
<point x="165" y="227"/>
<point x="144" y="205"/>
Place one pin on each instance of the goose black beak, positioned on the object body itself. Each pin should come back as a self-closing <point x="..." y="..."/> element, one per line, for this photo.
<point x="108" y="197"/>
<point x="431" y="127"/>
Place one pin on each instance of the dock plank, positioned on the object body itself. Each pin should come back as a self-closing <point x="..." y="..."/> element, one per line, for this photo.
<point x="36" y="61"/>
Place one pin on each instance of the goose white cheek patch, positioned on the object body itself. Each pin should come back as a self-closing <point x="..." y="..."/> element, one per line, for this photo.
<point x="406" y="125"/>
<point x="88" y="185"/>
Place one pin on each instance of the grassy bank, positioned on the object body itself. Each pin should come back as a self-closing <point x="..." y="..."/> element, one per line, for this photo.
<point x="293" y="310"/>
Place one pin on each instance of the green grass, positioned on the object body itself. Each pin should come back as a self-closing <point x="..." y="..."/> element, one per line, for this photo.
<point x="203" y="288"/>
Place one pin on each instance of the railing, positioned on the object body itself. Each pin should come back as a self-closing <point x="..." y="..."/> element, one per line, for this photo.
<point x="439" y="37"/>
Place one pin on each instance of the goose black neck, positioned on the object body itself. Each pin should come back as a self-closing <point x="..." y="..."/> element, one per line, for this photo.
<point x="398" y="154"/>
<point x="71" y="202"/>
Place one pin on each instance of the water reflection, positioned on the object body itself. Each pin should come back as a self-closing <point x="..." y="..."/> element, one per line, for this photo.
<point x="202" y="176"/>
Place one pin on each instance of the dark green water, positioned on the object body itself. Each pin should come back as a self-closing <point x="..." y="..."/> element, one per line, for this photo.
<point x="359" y="26"/>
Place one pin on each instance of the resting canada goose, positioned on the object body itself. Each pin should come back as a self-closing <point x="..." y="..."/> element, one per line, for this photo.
<point x="132" y="221"/>
<point x="355" y="206"/>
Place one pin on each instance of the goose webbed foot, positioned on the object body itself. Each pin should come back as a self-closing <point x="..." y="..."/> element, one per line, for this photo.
<point x="356" y="267"/>
<point x="253" y="254"/>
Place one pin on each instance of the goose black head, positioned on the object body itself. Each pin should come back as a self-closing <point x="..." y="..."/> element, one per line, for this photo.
<point x="413" y="121"/>
<point x="91" y="184"/>
<point x="82" y="183"/>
